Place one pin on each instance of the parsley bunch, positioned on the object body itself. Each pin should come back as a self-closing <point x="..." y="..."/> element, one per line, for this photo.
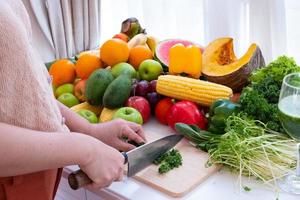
<point x="168" y="161"/>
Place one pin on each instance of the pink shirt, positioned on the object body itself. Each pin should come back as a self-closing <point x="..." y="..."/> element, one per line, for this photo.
<point x="26" y="98"/>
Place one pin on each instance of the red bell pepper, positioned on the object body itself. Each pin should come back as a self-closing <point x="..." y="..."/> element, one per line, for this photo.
<point x="186" y="112"/>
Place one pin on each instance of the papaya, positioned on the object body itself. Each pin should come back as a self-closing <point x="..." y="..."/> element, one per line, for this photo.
<point x="117" y="92"/>
<point x="96" y="85"/>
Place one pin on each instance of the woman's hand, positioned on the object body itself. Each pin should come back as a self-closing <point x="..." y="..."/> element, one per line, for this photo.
<point x="104" y="165"/>
<point x="111" y="133"/>
<point x="114" y="132"/>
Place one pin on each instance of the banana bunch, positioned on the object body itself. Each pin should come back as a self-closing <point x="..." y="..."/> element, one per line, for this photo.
<point x="85" y="105"/>
<point x="143" y="39"/>
<point x="107" y="114"/>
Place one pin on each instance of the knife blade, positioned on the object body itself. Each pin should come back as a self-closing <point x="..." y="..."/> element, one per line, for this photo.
<point x="137" y="159"/>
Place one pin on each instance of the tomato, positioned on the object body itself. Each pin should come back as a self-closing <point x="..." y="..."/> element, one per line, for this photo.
<point x="162" y="109"/>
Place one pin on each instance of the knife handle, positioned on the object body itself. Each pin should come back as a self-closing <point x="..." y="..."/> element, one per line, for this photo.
<point x="78" y="179"/>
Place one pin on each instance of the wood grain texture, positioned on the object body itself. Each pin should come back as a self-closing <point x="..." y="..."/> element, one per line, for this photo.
<point x="182" y="180"/>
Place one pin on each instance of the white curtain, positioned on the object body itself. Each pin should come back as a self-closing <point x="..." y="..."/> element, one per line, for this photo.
<point x="62" y="28"/>
<point x="247" y="21"/>
<point x="163" y="19"/>
<point x="293" y="28"/>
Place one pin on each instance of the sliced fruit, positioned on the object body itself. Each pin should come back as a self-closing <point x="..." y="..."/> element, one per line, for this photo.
<point x="220" y="64"/>
<point x="163" y="48"/>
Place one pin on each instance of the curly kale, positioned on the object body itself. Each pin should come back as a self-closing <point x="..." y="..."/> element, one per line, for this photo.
<point x="268" y="88"/>
<point x="277" y="69"/>
<point x="168" y="161"/>
<point x="257" y="107"/>
<point x="254" y="104"/>
<point x="259" y="100"/>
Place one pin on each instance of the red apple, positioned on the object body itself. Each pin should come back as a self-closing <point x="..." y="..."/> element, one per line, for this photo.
<point x="79" y="90"/>
<point x="121" y="36"/>
<point x="141" y="104"/>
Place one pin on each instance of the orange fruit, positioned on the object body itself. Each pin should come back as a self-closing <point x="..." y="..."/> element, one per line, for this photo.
<point x="62" y="71"/>
<point x="122" y="36"/>
<point x="138" y="54"/>
<point x="86" y="64"/>
<point x="114" y="51"/>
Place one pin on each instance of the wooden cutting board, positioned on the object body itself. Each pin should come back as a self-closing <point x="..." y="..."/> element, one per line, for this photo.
<point x="182" y="180"/>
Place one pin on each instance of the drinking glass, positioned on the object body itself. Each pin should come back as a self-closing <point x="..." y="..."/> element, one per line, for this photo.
<point x="289" y="115"/>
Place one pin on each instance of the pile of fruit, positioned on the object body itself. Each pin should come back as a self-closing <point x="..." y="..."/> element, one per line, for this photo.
<point x="133" y="75"/>
<point x="194" y="90"/>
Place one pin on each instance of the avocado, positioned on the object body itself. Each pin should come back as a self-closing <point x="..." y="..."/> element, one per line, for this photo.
<point x="117" y="92"/>
<point x="96" y="86"/>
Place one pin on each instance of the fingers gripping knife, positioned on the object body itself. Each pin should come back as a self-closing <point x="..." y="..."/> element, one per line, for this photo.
<point x="137" y="159"/>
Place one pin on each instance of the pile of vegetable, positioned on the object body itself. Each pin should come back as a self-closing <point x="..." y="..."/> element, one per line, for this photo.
<point x="247" y="136"/>
<point x="259" y="100"/>
<point x="247" y="146"/>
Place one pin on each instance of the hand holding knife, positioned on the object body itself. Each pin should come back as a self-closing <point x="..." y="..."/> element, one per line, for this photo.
<point x="137" y="159"/>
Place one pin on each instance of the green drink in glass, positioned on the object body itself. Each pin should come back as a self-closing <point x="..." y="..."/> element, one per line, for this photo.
<point x="289" y="115"/>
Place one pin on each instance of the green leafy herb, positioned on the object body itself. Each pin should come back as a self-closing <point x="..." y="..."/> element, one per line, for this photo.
<point x="259" y="100"/>
<point x="277" y="69"/>
<point x="248" y="147"/>
<point x="168" y="161"/>
<point x="164" y="168"/>
<point x="247" y="189"/>
<point x="256" y="106"/>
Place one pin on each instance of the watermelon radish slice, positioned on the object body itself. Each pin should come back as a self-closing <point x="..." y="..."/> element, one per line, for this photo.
<point x="163" y="48"/>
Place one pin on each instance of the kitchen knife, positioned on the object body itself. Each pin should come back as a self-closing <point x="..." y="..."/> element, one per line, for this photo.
<point x="137" y="159"/>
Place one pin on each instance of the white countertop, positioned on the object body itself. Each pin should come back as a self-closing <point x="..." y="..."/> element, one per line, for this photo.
<point x="222" y="185"/>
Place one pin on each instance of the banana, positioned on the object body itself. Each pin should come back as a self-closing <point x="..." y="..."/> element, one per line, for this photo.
<point x="94" y="51"/>
<point x="85" y="105"/>
<point x="138" y="39"/>
<point x="152" y="43"/>
<point x="107" y="114"/>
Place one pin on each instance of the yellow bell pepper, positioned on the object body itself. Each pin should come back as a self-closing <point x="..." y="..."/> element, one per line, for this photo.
<point x="185" y="60"/>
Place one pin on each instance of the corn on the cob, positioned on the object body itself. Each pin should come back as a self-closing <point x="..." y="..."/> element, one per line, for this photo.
<point x="85" y="105"/>
<point x="184" y="88"/>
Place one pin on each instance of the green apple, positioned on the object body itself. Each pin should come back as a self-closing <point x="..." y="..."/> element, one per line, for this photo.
<point x="123" y="68"/>
<point x="129" y="114"/>
<point x="88" y="115"/>
<point x="65" y="88"/>
<point x="68" y="99"/>
<point x="149" y="70"/>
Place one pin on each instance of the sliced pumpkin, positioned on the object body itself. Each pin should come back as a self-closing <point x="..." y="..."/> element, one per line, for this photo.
<point x="220" y="64"/>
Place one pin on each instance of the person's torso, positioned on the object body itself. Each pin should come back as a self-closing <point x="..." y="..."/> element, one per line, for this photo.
<point x="26" y="98"/>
